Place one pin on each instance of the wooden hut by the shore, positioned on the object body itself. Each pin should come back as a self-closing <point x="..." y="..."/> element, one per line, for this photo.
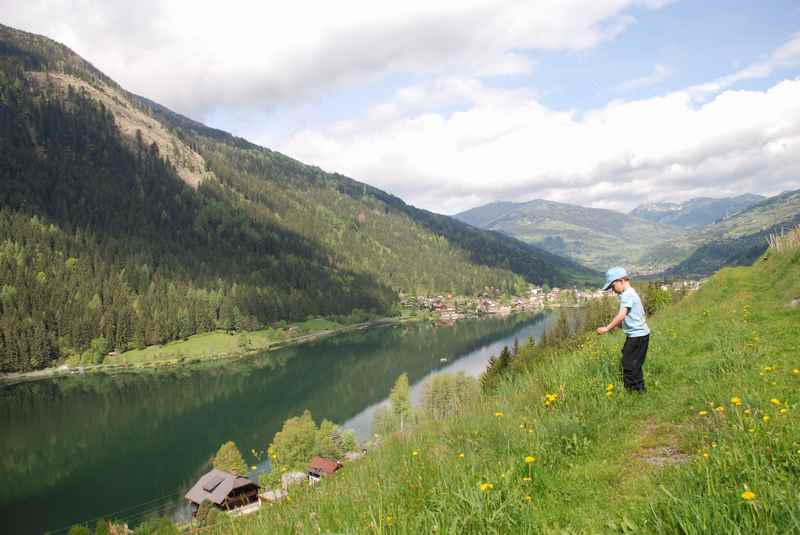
<point x="224" y="489"/>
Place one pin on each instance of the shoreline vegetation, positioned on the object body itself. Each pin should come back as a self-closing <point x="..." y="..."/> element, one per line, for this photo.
<point x="220" y="345"/>
<point x="208" y="347"/>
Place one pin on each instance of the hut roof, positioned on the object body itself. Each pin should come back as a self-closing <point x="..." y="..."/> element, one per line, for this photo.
<point x="215" y="486"/>
<point x="323" y="466"/>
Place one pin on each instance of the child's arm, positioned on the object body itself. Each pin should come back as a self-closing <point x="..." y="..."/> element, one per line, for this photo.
<point x="618" y="319"/>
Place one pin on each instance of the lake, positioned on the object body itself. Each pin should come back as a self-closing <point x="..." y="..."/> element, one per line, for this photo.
<point x="129" y="445"/>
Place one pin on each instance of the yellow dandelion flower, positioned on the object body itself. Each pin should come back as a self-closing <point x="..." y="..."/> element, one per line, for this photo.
<point x="527" y="479"/>
<point x="747" y="411"/>
<point x="253" y="467"/>
<point x="415" y="453"/>
<point x="389" y="520"/>
<point x="529" y="459"/>
<point x="751" y="430"/>
<point x="522" y="426"/>
<point x="748" y="495"/>
<point x="705" y="455"/>
<point x="486" y="486"/>
<point x="713" y="444"/>
<point x="702" y="413"/>
<point x="736" y="401"/>
<point x="775" y="401"/>
<point x="460" y="455"/>
<point x="719" y="409"/>
<point x="796" y="371"/>
<point x="609" y="386"/>
<point x="783" y="411"/>
<point x="498" y="413"/>
<point x="765" y="418"/>
<point x="528" y="498"/>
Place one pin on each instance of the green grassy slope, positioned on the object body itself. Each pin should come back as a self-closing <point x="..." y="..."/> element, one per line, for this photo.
<point x="719" y="420"/>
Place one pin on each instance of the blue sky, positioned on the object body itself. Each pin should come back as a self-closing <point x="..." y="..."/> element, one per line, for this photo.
<point x="449" y="105"/>
<point x="698" y="40"/>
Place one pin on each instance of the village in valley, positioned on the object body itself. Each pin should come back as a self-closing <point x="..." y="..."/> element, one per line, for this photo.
<point x="450" y="308"/>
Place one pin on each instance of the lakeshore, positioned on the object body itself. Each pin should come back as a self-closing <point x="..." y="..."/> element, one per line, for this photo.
<point x="225" y="345"/>
<point x="156" y="431"/>
<point x="184" y="352"/>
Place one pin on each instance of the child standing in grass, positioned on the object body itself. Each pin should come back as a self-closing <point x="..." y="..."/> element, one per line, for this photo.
<point x="631" y="316"/>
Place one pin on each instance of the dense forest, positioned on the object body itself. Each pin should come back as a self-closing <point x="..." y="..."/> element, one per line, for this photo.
<point x="103" y="245"/>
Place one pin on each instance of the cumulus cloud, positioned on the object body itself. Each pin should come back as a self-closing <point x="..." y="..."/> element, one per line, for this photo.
<point x="194" y="56"/>
<point x="504" y="144"/>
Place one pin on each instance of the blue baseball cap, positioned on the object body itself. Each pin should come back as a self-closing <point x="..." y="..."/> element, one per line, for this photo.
<point x="615" y="273"/>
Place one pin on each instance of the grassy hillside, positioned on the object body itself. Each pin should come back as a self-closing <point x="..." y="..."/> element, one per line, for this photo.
<point x="712" y="447"/>
<point x="594" y="237"/>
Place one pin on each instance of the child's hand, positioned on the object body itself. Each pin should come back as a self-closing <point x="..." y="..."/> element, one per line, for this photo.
<point x="602" y="330"/>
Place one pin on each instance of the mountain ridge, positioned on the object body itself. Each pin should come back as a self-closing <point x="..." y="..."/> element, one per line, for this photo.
<point x="127" y="224"/>
<point x="696" y="212"/>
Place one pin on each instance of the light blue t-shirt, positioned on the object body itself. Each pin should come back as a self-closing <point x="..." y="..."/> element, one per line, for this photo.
<point x="634" y="324"/>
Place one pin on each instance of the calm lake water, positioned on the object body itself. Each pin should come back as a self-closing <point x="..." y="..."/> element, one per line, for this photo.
<point x="127" y="446"/>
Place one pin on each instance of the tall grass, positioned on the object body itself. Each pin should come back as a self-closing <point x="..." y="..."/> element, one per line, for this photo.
<point x="557" y="447"/>
<point x="785" y="242"/>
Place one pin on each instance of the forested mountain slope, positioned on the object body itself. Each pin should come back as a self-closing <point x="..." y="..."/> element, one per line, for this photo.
<point x="124" y="224"/>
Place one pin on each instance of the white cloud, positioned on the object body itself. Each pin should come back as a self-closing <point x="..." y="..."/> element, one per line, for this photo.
<point x="660" y="73"/>
<point x="196" y="55"/>
<point x="504" y="144"/>
<point x="784" y="57"/>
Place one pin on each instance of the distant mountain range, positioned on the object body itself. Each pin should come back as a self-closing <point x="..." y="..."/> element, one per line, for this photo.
<point x="695" y="213"/>
<point x="736" y="240"/>
<point x="591" y="236"/>
<point x="695" y="237"/>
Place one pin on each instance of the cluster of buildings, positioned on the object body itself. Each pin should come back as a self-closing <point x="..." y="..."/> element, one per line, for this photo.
<point x="452" y="308"/>
<point x="683" y="286"/>
<point x="241" y="495"/>
<point x="449" y="308"/>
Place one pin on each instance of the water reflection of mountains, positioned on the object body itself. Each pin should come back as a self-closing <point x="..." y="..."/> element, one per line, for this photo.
<point x="153" y="430"/>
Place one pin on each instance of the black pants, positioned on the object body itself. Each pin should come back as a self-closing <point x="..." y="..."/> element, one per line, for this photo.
<point x="633" y="354"/>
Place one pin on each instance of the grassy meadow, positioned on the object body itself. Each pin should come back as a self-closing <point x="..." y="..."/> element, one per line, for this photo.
<point x="712" y="447"/>
<point x="220" y="343"/>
